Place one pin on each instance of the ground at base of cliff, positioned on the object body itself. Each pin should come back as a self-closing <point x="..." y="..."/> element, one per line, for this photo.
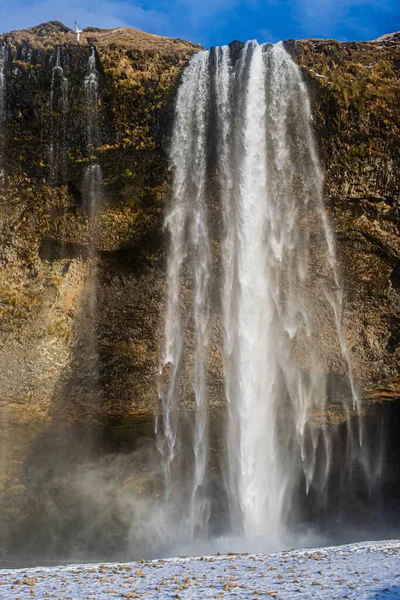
<point x="367" y="570"/>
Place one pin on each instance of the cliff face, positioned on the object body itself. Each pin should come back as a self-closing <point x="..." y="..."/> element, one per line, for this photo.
<point x="45" y="227"/>
<point x="80" y="301"/>
<point x="354" y="89"/>
<point x="64" y="365"/>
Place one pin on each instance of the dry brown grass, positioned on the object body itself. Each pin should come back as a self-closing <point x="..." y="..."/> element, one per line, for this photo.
<point x="55" y="33"/>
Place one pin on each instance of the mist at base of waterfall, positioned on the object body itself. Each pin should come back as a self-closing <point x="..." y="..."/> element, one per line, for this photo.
<point x="86" y="500"/>
<point x="136" y="527"/>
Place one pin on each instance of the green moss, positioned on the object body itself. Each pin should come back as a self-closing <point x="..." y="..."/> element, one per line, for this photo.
<point x="24" y="66"/>
<point x="17" y="303"/>
<point x="60" y="328"/>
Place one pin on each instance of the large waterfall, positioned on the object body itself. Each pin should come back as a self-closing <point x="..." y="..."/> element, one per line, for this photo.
<point x="252" y="277"/>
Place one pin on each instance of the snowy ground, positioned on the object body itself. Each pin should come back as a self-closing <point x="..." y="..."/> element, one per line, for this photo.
<point x="369" y="570"/>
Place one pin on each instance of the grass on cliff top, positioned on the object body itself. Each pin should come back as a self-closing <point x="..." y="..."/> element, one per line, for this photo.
<point x="364" y="72"/>
<point x="56" y="33"/>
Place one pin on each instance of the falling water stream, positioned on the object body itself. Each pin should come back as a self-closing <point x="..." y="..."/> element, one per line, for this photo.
<point x="2" y="98"/>
<point x="2" y="83"/>
<point x="91" y="199"/>
<point x="243" y="147"/>
<point x="58" y="102"/>
<point x="93" y="175"/>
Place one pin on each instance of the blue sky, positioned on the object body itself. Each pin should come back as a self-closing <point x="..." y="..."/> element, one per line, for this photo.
<point x="215" y="22"/>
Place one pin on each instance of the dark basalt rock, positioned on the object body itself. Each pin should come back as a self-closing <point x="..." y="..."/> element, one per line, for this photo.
<point x="236" y="48"/>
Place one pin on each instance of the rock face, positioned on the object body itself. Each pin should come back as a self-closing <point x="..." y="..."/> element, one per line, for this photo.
<point x="354" y="91"/>
<point x="45" y="231"/>
<point x="65" y="367"/>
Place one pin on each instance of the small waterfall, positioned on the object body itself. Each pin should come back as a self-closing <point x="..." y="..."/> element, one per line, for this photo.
<point x="2" y="104"/>
<point x="91" y="84"/>
<point x="91" y="201"/>
<point x="242" y="138"/>
<point x="2" y="84"/>
<point x="93" y="174"/>
<point x="58" y="102"/>
<point x="91" y="192"/>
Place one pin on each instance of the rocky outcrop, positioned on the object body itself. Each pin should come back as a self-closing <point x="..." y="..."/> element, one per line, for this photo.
<point x="65" y="367"/>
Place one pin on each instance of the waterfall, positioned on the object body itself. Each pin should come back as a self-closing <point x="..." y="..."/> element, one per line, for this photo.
<point x="91" y="200"/>
<point x="2" y="104"/>
<point x="92" y="80"/>
<point x="91" y="84"/>
<point x="91" y="191"/>
<point x="58" y="102"/>
<point x="247" y="180"/>
<point x="2" y="84"/>
<point x="93" y="174"/>
<point x="188" y="218"/>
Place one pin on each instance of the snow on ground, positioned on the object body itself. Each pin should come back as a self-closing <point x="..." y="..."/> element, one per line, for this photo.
<point x="369" y="570"/>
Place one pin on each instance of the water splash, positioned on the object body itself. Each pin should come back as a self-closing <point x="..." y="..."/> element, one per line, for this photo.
<point x="243" y="145"/>
<point x="58" y="102"/>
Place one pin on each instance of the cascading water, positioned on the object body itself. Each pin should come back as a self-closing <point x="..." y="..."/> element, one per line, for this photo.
<point x="242" y="146"/>
<point x="93" y="175"/>
<point x="58" y="102"/>
<point x="2" y="102"/>
<point x="2" y="98"/>
<point x="2" y="83"/>
<point x="91" y="199"/>
<point x="91" y="84"/>
<point x="189" y="217"/>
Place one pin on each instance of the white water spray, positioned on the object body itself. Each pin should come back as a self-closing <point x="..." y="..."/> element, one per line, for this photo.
<point x="243" y="135"/>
